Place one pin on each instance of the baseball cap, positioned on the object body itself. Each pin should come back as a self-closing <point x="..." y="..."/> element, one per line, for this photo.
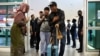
<point x="53" y="4"/>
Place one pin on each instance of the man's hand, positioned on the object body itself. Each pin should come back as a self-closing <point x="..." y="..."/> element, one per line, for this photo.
<point x="82" y="32"/>
<point x="43" y="17"/>
<point x="57" y="25"/>
<point x="55" y="18"/>
<point x="27" y="19"/>
<point x="35" y="33"/>
<point x="31" y="33"/>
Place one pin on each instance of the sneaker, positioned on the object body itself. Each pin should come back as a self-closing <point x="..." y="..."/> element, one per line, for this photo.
<point x="37" y="51"/>
<point x="77" y="49"/>
<point x="32" y="46"/>
<point x="73" y="46"/>
<point x="45" y="54"/>
<point x="80" y="51"/>
<point x="68" y="43"/>
<point x="42" y="54"/>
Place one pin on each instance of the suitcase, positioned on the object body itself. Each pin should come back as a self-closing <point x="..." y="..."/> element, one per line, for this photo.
<point x="55" y="50"/>
<point x="49" y="50"/>
<point x="52" y="50"/>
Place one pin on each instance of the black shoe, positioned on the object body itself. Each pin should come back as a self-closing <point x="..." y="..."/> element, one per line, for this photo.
<point x="80" y="51"/>
<point x="73" y="46"/>
<point x="45" y="54"/>
<point x="68" y="43"/>
<point x="37" y="51"/>
<point x="32" y="46"/>
<point x="77" y="49"/>
<point x="42" y="54"/>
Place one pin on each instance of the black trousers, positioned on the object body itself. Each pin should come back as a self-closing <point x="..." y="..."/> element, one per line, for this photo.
<point x="32" y="40"/>
<point x="80" y="40"/>
<point x="38" y="40"/>
<point x="74" y="39"/>
<point x="68" y="37"/>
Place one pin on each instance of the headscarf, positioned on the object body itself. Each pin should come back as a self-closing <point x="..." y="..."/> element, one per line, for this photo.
<point x="20" y="14"/>
<point x="23" y="7"/>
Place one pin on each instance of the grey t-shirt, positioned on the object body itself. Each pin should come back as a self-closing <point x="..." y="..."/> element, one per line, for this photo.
<point x="45" y="26"/>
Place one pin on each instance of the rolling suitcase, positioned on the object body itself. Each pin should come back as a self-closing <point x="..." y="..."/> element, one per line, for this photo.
<point x="49" y="48"/>
<point x="55" y="47"/>
<point x="55" y="50"/>
<point x="52" y="50"/>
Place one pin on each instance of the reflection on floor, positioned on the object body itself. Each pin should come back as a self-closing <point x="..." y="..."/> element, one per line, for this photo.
<point x="68" y="51"/>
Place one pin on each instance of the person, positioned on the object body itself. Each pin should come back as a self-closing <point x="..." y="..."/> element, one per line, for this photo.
<point x="33" y="31"/>
<point x="90" y="34"/>
<point x="56" y="19"/>
<point x="17" y="37"/>
<point x="45" y="32"/>
<point x="68" y="32"/>
<point x="73" y="33"/>
<point x="80" y="31"/>
<point x="38" y="25"/>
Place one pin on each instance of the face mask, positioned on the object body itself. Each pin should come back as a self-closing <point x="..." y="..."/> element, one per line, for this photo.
<point x="79" y="14"/>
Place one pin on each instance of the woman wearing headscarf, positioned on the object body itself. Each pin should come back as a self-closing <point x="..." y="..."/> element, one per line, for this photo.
<point x="18" y="31"/>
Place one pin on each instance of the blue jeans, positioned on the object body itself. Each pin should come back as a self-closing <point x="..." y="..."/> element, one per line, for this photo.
<point x="62" y="44"/>
<point x="45" y="38"/>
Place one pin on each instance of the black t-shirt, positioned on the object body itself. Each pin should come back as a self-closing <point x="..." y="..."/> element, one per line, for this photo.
<point x="61" y="20"/>
<point x="33" y="24"/>
<point x="80" y="23"/>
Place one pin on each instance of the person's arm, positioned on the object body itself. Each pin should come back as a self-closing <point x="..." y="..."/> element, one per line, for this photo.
<point x="82" y="32"/>
<point x="31" y="27"/>
<point x="61" y="19"/>
<point x="81" y="26"/>
<point x="81" y="22"/>
<point x="68" y="27"/>
<point x="31" y="30"/>
<point x="50" y="18"/>
<point x="35" y="28"/>
<point x="27" y="19"/>
<point x="36" y="25"/>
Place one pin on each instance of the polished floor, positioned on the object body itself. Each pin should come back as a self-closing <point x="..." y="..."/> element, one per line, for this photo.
<point x="69" y="51"/>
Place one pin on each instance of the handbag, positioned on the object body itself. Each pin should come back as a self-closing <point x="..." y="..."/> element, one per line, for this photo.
<point x="51" y="40"/>
<point x="58" y="34"/>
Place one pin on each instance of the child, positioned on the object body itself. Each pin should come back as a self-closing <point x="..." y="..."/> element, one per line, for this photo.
<point x="73" y="32"/>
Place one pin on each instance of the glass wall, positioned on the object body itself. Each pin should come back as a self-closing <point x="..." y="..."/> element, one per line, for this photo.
<point x="11" y="0"/>
<point x="93" y="25"/>
<point x="5" y="17"/>
<point x="6" y="21"/>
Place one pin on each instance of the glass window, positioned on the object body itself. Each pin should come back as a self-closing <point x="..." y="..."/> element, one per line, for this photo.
<point x="93" y="14"/>
<point x="4" y="37"/>
<point x="93" y="39"/>
<point x="3" y="9"/>
<point x="10" y="9"/>
<point x="3" y="0"/>
<point x="6" y="13"/>
<point x="11" y="0"/>
<point x="5" y="21"/>
<point x="15" y="0"/>
<point x="93" y="21"/>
